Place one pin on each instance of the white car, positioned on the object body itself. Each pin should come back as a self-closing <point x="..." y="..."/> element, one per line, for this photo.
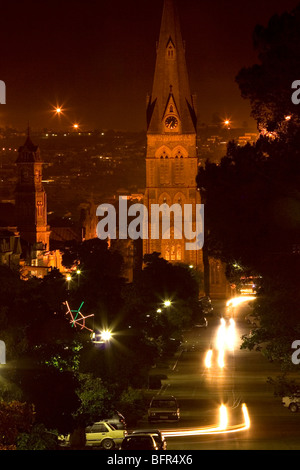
<point x="163" y="408"/>
<point x="292" y="402"/>
<point x="103" y="435"/>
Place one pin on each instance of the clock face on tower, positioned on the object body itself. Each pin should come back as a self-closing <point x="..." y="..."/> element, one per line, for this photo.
<point x="171" y="122"/>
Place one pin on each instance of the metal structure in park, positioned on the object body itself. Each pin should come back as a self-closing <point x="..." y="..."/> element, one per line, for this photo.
<point x="77" y="319"/>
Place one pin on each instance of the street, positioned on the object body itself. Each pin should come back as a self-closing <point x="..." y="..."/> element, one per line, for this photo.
<point x="201" y="390"/>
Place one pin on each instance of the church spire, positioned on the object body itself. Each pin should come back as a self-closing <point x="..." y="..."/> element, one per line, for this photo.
<point x="171" y="78"/>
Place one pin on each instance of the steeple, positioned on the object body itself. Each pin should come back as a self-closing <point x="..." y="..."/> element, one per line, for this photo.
<point x="171" y="96"/>
<point x="29" y="152"/>
<point x="30" y="196"/>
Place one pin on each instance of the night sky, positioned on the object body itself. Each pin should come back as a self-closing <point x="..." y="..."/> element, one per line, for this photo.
<point x="97" y="58"/>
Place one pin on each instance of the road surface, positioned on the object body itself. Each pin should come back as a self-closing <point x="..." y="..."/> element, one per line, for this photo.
<point x="242" y="379"/>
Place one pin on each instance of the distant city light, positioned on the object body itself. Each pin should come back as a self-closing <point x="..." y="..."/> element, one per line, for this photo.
<point x="167" y="303"/>
<point x="58" y="110"/>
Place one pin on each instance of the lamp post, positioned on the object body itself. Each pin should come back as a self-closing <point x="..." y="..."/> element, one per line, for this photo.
<point x="78" y="272"/>
<point x="69" y="279"/>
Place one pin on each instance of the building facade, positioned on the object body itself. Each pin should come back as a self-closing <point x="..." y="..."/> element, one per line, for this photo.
<point x="31" y="198"/>
<point x="171" y="159"/>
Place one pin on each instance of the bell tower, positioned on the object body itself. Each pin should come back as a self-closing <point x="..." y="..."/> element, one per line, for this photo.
<point x="30" y="197"/>
<point x="171" y="159"/>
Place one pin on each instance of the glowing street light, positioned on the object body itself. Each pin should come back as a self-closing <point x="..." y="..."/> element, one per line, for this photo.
<point x="78" y="272"/>
<point x="167" y="303"/>
<point x="106" y="335"/>
<point x="69" y="279"/>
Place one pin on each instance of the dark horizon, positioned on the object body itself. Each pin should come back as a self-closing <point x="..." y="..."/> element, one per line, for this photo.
<point x="97" y="60"/>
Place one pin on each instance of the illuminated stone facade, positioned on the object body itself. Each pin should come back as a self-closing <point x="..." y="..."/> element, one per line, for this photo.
<point x="172" y="160"/>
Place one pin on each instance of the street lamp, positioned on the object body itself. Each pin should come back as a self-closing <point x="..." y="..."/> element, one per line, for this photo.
<point x="106" y="335"/>
<point x="78" y="272"/>
<point x="167" y="303"/>
<point x="69" y="279"/>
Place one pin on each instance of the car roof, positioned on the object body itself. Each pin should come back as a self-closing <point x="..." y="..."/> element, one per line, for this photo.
<point x="99" y="422"/>
<point x="146" y="431"/>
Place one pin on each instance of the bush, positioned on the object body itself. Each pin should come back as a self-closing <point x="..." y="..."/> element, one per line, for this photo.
<point x="39" y="438"/>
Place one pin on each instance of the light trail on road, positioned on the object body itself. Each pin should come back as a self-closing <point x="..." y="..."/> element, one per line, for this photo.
<point x="225" y="339"/>
<point x="222" y="428"/>
<point x="235" y="301"/>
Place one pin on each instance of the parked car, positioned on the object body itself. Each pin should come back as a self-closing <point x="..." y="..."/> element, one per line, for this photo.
<point x="158" y="436"/>
<point x="117" y="420"/>
<point x="163" y="408"/>
<point x="102" y="435"/>
<point x="139" y="442"/>
<point x="292" y="402"/>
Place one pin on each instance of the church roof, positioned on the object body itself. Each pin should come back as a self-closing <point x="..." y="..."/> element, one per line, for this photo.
<point x="28" y="153"/>
<point x="171" y="76"/>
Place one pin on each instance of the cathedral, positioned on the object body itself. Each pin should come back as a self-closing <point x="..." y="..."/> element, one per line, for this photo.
<point x="171" y="160"/>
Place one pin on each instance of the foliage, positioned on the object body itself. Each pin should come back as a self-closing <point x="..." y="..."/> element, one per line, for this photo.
<point x="95" y="400"/>
<point x="252" y="195"/>
<point x="268" y="84"/>
<point x="100" y="282"/>
<point x="39" y="438"/>
<point x="15" y="418"/>
<point x="158" y="282"/>
<point x="283" y="386"/>
<point x="132" y="404"/>
<point x="53" y="394"/>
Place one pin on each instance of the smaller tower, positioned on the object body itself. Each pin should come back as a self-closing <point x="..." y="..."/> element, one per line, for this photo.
<point x="30" y="197"/>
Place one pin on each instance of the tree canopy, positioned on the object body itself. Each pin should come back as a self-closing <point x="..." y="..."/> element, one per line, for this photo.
<point x="252" y="196"/>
